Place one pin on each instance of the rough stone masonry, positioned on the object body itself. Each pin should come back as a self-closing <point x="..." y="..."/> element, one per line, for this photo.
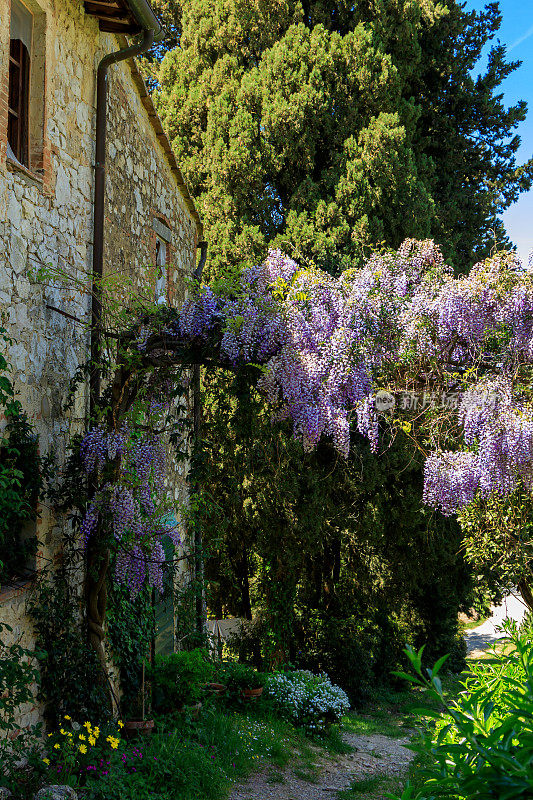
<point x="46" y="214"/>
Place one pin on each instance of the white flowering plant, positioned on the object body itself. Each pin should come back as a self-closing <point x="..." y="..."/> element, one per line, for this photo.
<point x="307" y="700"/>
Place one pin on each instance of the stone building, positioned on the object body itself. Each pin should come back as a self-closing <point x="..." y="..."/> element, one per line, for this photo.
<point x="49" y="56"/>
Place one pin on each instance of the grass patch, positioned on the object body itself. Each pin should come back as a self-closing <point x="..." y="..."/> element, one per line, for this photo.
<point x="200" y="759"/>
<point x="333" y="743"/>
<point x="395" y="712"/>
<point x="475" y="623"/>
<point x="368" y="724"/>
<point x="359" y="787"/>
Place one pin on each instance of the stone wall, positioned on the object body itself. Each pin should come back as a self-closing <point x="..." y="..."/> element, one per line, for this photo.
<point x="46" y="218"/>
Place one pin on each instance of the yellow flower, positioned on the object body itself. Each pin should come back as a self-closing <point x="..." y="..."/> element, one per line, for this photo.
<point x="96" y="732"/>
<point x="81" y="737"/>
<point x="50" y="734"/>
<point x="62" y="731"/>
<point x="67" y="716"/>
<point x="56" y="747"/>
<point x="92" y="741"/>
<point x="82" y="748"/>
<point x="69" y="735"/>
<point x="87" y="725"/>
<point x="113" y="742"/>
<point x="120" y="724"/>
<point x="46" y="761"/>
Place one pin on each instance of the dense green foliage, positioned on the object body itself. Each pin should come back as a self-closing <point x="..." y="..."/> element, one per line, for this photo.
<point x="179" y="678"/>
<point x="498" y="542"/>
<point x="69" y="670"/>
<point x="19" y="674"/>
<point x="326" y="127"/>
<point x="21" y="480"/>
<point x="129" y="632"/>
<point x="192" y="762"/>
<point x="237" y="677"/>
<point x="337" y="571"/>
<point x="483" y="746"/>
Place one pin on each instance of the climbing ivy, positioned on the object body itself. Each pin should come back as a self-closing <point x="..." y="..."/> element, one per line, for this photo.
<point x="22" y="475"/>
<point x="130" y="630"/>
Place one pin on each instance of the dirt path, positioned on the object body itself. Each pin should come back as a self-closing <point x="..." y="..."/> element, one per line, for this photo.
<point x="480" y="638"/>
<point x="375" y="760"/>
<point x="372" y="756"/>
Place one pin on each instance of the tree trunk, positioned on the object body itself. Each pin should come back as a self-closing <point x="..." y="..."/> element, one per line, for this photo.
<point x="96" y="606"/>
<point x="527" y="595"/>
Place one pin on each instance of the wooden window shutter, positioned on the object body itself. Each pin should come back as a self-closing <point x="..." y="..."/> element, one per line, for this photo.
<point x="18" y="105"/>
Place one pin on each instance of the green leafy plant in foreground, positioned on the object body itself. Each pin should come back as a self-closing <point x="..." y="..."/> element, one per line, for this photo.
<point x="482" y="746"/>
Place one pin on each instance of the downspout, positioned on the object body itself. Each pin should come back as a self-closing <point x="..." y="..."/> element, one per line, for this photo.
<point x="95" y="589"/>
<point x="200" y="608"/>
<point x="152" y="32"/>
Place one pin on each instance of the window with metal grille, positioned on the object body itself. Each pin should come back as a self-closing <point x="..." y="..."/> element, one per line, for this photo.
<point x="19" y="82"/>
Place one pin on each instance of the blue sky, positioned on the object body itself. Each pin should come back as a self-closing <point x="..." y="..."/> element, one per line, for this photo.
<point x="517" y="33"/>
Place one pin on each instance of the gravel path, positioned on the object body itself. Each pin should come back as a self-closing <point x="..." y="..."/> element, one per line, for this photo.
<point x="479" y="639"/>
<point x="372" y="755"/>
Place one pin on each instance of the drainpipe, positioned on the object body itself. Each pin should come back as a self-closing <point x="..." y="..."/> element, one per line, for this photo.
<point x="200" y="608"/>
<point x="152" y="32"/>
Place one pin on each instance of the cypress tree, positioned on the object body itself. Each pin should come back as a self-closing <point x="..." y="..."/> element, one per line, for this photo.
<point x="329" y="127"/>
<point x="326" y="128"/>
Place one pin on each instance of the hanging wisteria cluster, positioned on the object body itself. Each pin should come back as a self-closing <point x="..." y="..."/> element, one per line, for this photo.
<point x="328" y="342"/>
<point x="127" y="504"/>
<point x="326" y="345"/>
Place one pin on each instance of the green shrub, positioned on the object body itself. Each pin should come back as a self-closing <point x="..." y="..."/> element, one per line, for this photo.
<point x="18" y="676"/>
<point x="482" y="747"/>
<point x="179" y="678"/>
<point x="130" y="629"/>
<point x="69" y="668"/>
<point x="343" y="648"/>
<point x="239" y="676"/>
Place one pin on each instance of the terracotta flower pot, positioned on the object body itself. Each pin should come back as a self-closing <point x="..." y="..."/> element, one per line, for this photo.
<point x="138" y="727"/>
<point x="252" y="694"/>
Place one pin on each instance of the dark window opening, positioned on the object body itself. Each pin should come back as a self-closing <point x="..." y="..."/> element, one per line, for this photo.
<point x="161" y="272"/>
<point x="18" y="105"/>
<point x="22" y="76"/>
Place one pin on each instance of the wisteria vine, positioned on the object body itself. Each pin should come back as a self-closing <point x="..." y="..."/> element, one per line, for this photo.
<point x="325" y="347"/>
<point x="134" y="506"/>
